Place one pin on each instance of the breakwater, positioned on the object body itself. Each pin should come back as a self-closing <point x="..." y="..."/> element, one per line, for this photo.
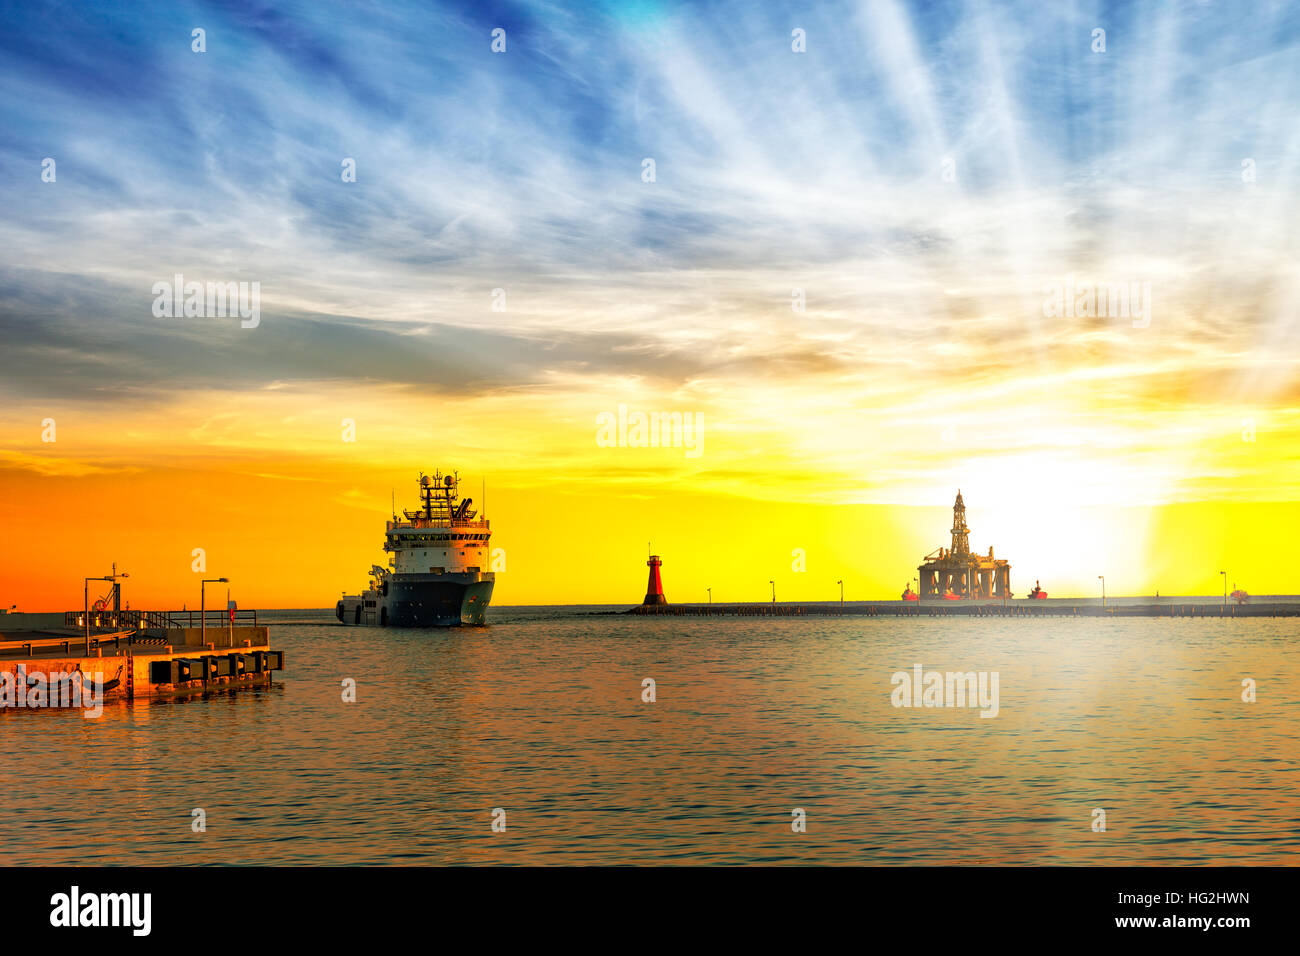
<point x="1057" y="608"/>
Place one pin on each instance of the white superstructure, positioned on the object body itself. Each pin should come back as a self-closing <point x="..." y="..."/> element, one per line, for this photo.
<point x="443" y="537"/>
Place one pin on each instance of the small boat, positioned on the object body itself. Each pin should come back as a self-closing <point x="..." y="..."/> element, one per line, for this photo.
<point x="910" y="595"/>
<point x="1240" y="596"/>
<point x="1037" y="594"/>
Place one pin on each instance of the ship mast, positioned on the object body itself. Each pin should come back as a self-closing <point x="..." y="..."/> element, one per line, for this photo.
<point x="438" y="496"/>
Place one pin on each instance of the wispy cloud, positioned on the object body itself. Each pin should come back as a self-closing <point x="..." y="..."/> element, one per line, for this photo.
<point x="821" y="171"/>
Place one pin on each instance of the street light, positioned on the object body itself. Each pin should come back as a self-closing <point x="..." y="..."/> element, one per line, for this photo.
<point x="85" y="613"/>
<point x="710" y="590"/>
<point x="1225" y="587"/>
<point x="841" y="584"/>
<point x="773" y="583"/>
<point x="1102" y="579"/>
<point x="203" y="617"/>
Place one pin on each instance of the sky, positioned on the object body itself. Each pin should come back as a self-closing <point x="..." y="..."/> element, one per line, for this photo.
<point x="847" y="263"/>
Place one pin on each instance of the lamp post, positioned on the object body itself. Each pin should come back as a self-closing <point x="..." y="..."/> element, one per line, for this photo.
<point x="1225" y="587"/>
<point x="1102" y="579"/>
<point x="203" y="617"/>
<point x="85" y="613"/>
<point x="841" y="584"/>
<point x="710" y="590"/>
<point x="773" y="583"/>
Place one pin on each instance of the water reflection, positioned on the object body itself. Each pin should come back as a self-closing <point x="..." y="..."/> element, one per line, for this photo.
<point x="541" y="715"/>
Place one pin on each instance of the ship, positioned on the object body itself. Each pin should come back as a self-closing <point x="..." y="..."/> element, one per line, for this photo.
<point x="438" y="565"/>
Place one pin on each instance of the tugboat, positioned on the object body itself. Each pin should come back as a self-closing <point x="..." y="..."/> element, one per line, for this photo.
<point x="437" y="557"/>
<point x="1038" y="594"/>
<point x="910" y="595"/>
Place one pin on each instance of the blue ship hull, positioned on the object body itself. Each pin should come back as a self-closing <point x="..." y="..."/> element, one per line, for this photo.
<point x="421" y="600"/>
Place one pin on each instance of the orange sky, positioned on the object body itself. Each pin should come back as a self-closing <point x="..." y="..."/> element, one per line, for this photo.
<point x="300" y="537"/>
<point x="1093" y="452"/>
<point x="858" y="264"/>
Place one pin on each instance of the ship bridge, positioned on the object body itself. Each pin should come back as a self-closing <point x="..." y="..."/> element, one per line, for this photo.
<point x="444" y="535"/>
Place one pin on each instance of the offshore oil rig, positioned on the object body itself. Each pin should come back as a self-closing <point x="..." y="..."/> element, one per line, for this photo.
<point x="956" y="572"/>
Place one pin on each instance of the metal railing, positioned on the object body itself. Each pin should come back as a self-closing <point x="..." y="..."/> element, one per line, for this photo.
<point x="213" y="618"/>
<point x="159" y="620"/>
<point x="118" y="620"/>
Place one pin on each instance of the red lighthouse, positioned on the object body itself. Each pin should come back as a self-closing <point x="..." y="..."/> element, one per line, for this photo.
<point x="654" y="589"/>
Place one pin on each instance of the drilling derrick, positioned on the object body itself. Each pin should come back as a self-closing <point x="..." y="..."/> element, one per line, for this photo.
<point x="960" y="533"/>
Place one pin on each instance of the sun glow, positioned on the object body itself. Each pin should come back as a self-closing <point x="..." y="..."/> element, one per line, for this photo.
<point x="857" y="267"/>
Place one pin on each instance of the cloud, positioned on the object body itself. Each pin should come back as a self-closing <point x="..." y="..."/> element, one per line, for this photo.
<point x="775" y="171"/>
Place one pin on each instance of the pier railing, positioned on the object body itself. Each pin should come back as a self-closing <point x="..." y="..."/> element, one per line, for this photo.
<point x="118" y="620"/>
<point x="159" y="620"/>
<point x="212" y="618"/>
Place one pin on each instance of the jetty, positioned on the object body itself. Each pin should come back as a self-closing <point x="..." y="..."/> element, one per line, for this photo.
<point x="133" y="655"/>
<point x="1063" y="607"/>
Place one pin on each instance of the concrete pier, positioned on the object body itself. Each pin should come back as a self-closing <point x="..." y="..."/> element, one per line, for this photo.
<point x="138" y="655"/>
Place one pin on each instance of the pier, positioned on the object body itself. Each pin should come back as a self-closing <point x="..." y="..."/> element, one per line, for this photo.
<point x="140" y="654"/>
<point x="1022" y="608"/>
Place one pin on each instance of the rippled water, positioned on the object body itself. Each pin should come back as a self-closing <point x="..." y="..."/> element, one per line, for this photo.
<point x="541" y="714"/>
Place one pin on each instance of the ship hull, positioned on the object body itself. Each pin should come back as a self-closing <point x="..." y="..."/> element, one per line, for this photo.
<point x="421" y="600"/>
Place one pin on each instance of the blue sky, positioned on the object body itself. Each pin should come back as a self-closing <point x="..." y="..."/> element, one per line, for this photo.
<point x="775" y="170"/>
